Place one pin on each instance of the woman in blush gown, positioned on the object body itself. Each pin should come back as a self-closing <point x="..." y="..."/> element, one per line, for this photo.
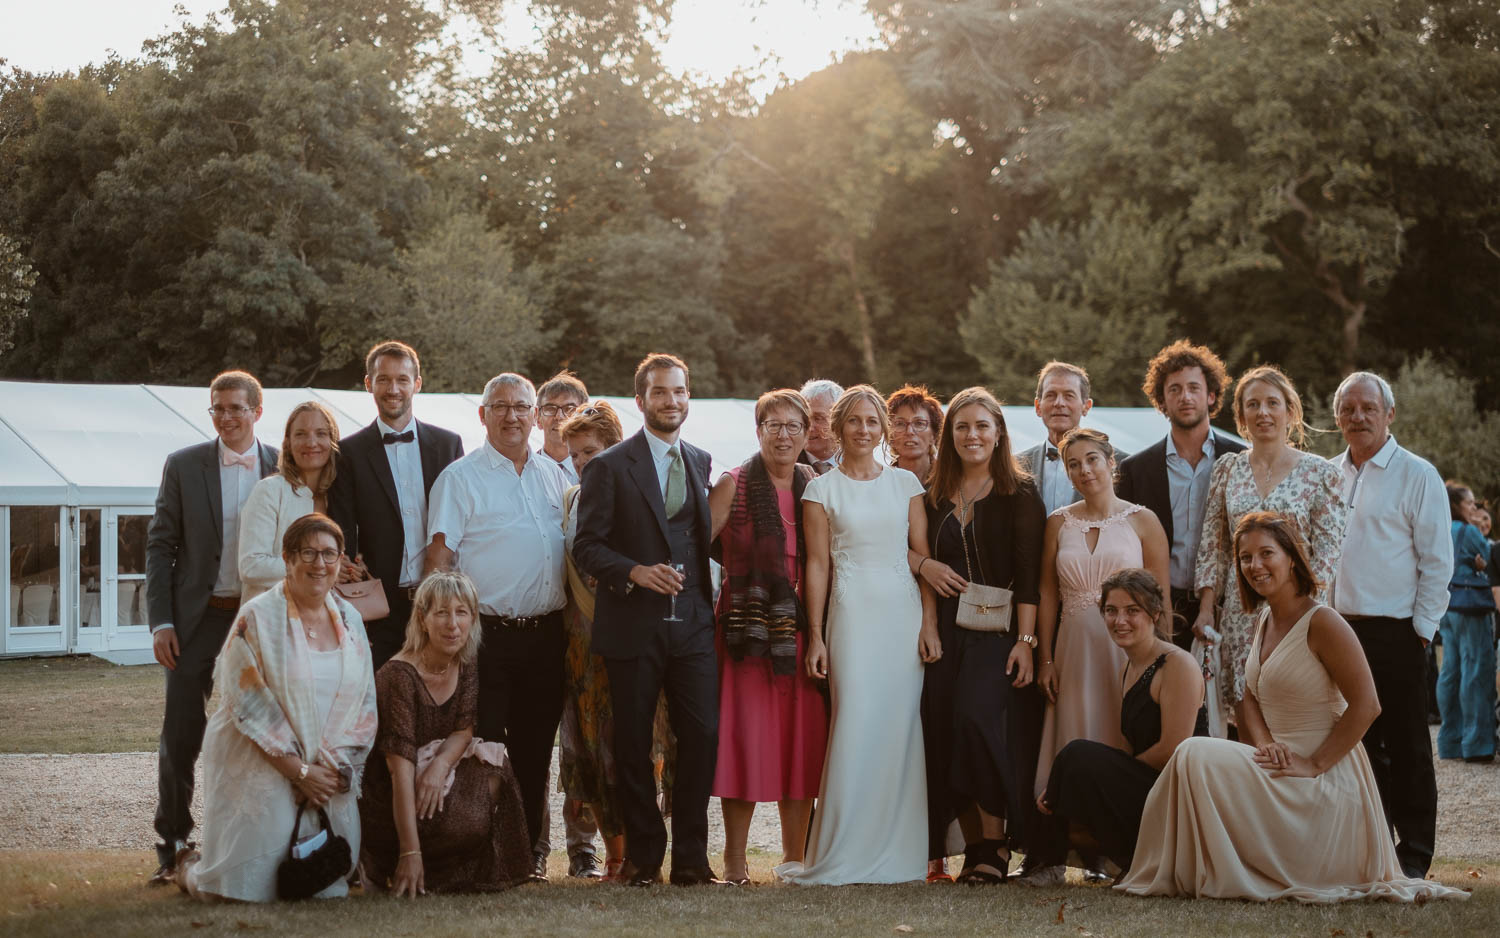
<point x="861" y="519"/>
<point x="1295" y="814"/>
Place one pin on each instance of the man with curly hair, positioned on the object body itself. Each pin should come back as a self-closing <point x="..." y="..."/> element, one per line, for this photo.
<point x="1186" y="383"/>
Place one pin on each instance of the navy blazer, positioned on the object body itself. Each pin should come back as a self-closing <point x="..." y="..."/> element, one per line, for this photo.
<point x="1143" y="477"/>
<point x="186" y="536"/>
<point x="622" y="522"/>
<point x="363" y="498"/>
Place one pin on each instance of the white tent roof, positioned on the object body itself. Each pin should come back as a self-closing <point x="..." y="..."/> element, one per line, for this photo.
<point x="104" y="444"/>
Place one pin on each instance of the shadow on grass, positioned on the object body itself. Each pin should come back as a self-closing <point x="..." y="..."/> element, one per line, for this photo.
<point x="104" y="893"/>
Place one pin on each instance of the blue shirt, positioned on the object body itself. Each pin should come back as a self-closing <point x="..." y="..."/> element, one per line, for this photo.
<point x="1187" y="486"/>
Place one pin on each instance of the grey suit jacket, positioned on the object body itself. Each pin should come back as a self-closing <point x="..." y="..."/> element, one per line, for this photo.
<point x="1031" y="461"/>
<point x="186" y="536"/>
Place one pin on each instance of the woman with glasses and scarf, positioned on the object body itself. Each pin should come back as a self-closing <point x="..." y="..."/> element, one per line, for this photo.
<point x="773" y="726"/>
<point x="296" y="720"/>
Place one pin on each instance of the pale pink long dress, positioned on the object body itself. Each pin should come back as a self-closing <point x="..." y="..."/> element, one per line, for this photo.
<point x="1218" y="825"/>
<point x="1088" y="662"/>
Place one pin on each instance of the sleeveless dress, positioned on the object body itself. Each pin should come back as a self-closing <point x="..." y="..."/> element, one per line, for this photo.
<point x="1104" y="789"/>
<point x="1086" y="659"/>
<point x="773" y="729"/>
<point x="1218" y="825"/>
<point x="871" y="821"/>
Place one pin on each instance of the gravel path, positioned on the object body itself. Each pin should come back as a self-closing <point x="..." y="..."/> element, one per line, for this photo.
<point x="104" y="801"/>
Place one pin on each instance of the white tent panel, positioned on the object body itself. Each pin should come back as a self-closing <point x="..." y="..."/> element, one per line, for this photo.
<point x="25" y="477"/>
<point x="108" y="442"/>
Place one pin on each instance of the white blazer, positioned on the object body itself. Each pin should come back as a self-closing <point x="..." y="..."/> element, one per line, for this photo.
<point x="271" y="508"/>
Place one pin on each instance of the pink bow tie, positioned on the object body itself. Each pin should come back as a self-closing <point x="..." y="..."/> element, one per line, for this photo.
<point x="246" y="459"/>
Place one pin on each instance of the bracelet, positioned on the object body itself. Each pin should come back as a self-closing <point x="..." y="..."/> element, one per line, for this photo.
<point x="1046" y="662"/>
<point x="410" y="853"/>
<point x="302" y="775"/>
<point x="919" y="565"/>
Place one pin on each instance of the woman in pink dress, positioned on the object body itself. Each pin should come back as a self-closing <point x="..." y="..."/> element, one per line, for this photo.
<point x="1084" y="543"/>
<point x="773" y="724"/>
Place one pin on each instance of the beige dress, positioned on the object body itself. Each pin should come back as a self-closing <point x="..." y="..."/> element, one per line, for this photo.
<point x="1218" y="825"/>
<point x="1089" y="663"/>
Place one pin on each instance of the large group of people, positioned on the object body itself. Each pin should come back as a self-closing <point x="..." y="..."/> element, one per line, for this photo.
<point x="1197" y="670"/>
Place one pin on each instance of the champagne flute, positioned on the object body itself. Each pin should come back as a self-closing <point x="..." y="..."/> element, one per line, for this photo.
<point x="672" y="612"/>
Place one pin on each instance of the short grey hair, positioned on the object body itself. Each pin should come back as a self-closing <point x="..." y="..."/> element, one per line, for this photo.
<point x="822" y="389"/>
<point x="509" y="380"/>
<point x="1387" y="396"/>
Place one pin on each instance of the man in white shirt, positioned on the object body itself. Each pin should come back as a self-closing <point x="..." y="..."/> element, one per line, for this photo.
<point x="1392" y="586"/>
<point x="193" y="587"/>
<point x="496" y="516"/>
<point x="1062" y="401"/>
<point x="379" y="497"/>
<point x="822" y="443"/>
<point x="556" y="400"/>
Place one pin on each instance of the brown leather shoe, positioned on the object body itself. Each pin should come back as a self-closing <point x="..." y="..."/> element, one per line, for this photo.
<point x="631" y="875"/>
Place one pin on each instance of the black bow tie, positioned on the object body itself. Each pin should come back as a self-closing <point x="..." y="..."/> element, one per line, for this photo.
<point x="406" y="437"/>
<point x="1051" y="454"/>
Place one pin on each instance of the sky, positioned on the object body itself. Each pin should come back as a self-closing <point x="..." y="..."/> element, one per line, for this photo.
<point x="709" y="37"/>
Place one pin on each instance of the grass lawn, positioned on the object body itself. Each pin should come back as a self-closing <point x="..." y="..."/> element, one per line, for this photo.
<point x="79" y="704"/>
<point x="103" y="893"/>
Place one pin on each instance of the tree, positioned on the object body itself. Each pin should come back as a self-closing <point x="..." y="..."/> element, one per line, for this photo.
<point x="16" y="280"/>
<point x="1096" y="294"/>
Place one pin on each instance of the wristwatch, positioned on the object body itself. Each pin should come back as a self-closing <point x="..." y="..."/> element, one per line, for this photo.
<point x="1027" y="640"/>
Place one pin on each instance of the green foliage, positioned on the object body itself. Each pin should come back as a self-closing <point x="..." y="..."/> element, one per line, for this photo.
<point x="16" y="280"/>
<point x="1096" y="294"/>
<point x="1436" y="418"/>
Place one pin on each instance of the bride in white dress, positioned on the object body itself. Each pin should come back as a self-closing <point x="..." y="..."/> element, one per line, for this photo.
<point x="860" y="519"/>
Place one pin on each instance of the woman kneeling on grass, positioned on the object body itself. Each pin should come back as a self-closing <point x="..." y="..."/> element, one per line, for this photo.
<point x="441" y="811"/>
<point x="293" y="728"/>
<point x="1099" y="788"/>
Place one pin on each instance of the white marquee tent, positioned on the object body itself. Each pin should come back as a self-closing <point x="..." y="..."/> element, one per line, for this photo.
<point x="80" y="465"/>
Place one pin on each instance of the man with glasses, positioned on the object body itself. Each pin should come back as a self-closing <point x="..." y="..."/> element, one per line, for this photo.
<point x="822" y="443"/>
<point x="379" y="498"/>
<point x="556" y="399"/>
<point x="193" y="587"/>
<point x="496" y="516"/>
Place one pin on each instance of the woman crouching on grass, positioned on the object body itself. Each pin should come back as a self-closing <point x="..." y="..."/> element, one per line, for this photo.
<point x="441" y="810"/>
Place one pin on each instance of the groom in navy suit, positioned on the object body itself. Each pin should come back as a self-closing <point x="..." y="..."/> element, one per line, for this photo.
<point x="643" y="531"/>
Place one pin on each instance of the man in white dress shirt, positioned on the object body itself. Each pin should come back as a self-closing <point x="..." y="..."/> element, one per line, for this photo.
<point x="193" y="587"/>
<point x="1062" y="401"/>
<point x="822" y="443"/>
<point x="556" y="400"/>
<point x="1392" y="586"/>
<point x="496" y="516"/>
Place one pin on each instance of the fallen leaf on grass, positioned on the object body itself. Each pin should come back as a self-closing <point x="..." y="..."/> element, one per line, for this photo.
<point x="200" y="924"/>
<point x="51" y="885"/>
<point x="246" y="926"/>
<point x="1477" y="874"/>
<point x="1335" y="932"/>
<point x="904" y="929"/>
<point x="1060" y="908"/>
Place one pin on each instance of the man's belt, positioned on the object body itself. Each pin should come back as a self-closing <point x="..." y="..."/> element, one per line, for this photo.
<point x="227" y="603"/>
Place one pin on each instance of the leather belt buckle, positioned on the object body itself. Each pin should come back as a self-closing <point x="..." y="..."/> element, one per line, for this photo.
<point x="227" y="603"/>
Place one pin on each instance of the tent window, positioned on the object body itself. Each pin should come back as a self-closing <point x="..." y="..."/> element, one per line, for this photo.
<point x="35" y="560"/>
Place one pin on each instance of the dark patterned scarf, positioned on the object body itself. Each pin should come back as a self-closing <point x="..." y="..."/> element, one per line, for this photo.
<point x="764" y="614"/>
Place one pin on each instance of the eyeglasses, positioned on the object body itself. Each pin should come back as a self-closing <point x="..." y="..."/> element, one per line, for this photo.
<point x="918" y="425"/>
<point x="554" y="410"/>
<point x="309" y="554"/>
<point x="590" y="412"/>
<point x="235" y="412"/>
<point x="777" y="428"/>
<point x="520" y="410"/>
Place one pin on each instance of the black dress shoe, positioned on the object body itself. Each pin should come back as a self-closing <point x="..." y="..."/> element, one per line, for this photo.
<point x="1480" y="760"/>
<point x="538" y="868"/>
<point x="584" y="866"/>
<point x="166" y="872"/>
<point x="703" y="877"/>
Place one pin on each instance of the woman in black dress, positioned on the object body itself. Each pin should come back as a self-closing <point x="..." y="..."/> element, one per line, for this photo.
<point x="1102" y="789"/>
<point x="981" y="714"/>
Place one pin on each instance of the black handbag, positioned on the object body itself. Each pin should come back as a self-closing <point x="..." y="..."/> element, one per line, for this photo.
<point x="303" y="877"/>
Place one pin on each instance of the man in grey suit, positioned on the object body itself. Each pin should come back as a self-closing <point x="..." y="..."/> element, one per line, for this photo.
<point x="193" y="587"/>
<point x="1062" y="400"/>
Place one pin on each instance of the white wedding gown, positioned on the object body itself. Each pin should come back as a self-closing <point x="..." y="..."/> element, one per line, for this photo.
<point x="871" y="819"/>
